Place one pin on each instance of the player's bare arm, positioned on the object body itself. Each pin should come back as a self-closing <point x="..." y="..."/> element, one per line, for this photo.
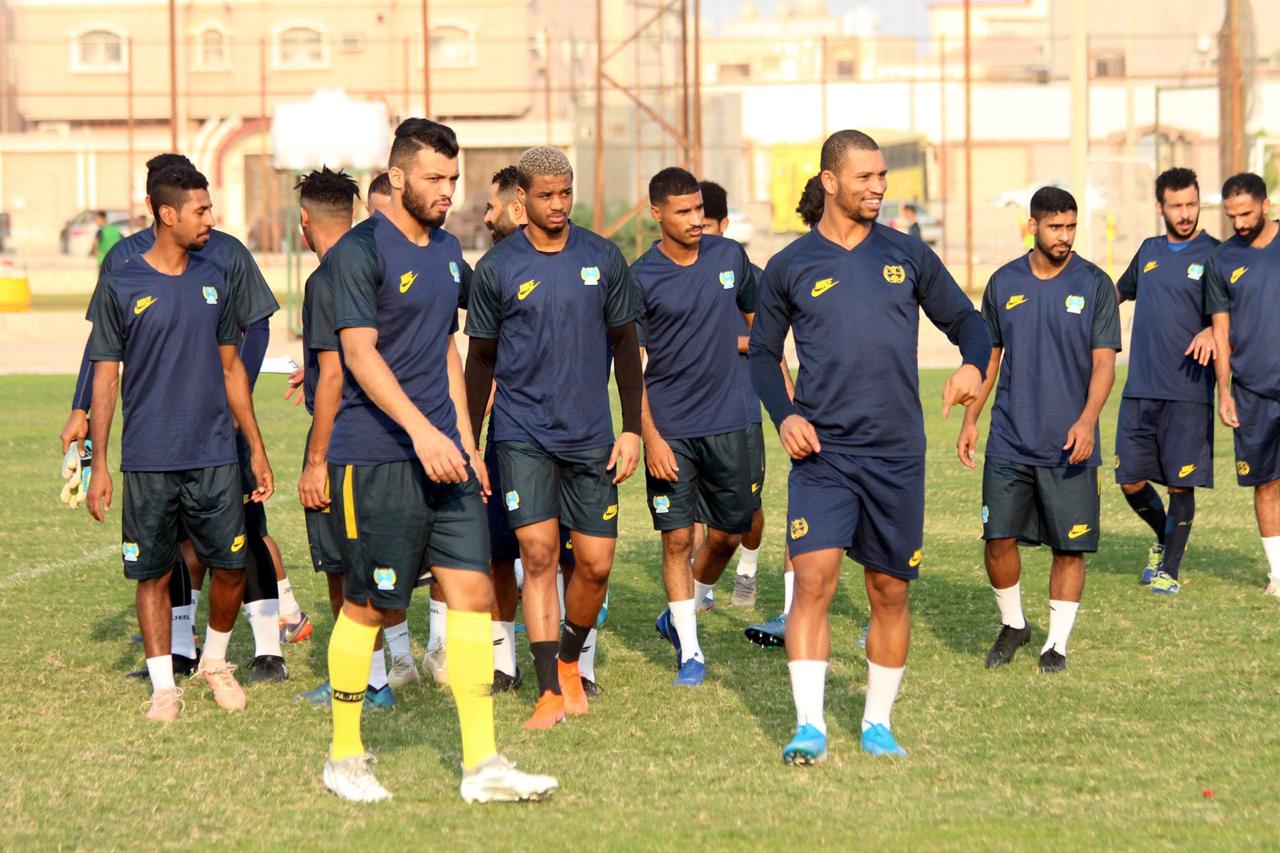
<point x="659" y="459"/>
<point x="1203" y="347"/>
<point x="1222" y="369"/>
<point x="312" y="491"/>
<point x="106" y="381"/>
<point x="240" y="401"/>
<point x="967" y="443"/>
<point x="1080" y="436"/>
<point x="458" y="393"/>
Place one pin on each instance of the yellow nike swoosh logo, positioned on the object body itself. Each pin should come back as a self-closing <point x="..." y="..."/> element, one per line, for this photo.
<point x="1078" y="531"/>
<point x="915" y="559"/>
<point x="407" y="280"/>
<point x="525" y="289"/>
<point x="1015" y="301"/>
<point x="822" y="286"/>
<point x="1150" y="266"/>
<point x="1185" y="470"/>
<point x="610" y="511"/>
<point x="1237" y="272"/>
<point x="237" y="543"/>
<point x="143" y="304"/>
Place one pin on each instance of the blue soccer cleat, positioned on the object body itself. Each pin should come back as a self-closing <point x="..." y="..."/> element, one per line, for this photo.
<point x="692" y="673"/>
<point x="380" y="698"/>
<point x="1165" y="584"/>
<point x="771" y="634"/>
<point x="603" y="616"/>
<point x="1155" y="562"/>
<point x="668" y="631"/>
<point x="321" y="696"/>
<point x="808" y="746"/>
<point x="878" y="740"/>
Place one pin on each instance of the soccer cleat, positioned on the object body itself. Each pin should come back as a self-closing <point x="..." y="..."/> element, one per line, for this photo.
<point x="878" y="740"/>
<point x="321" y="696"/>
<point x="297" y="630"/>
<point x="1051" y="661"/>
<point x="1165" y="584"/>
<point x="548" y="711"/>
<point x="164" y="705"/>
<point x="268" y="668"/>
<point x="403" y="672"/>
<point x="708" y="604"/>
<point x="351" y="779"/>
<point x="668" y="631"/>
<point x="503" y="683"/>
<point x="603" y="615"/>
<point x="575" y="699"/>
<point x="1006" y="644"/>
<point x="1273" y="587"/>
<point x="1155" y="561"/>
<point x="808" y="746"/>
<point x="381" y="697"/>
<point x="496" y="780"/>
<point x="771" y="634"/>
<point x="590" y="688"/>
<point x="436" y="663"/>
<point x="220" y="676"/>
<point x="744" y="591"/>
<point x="692" y="673"/>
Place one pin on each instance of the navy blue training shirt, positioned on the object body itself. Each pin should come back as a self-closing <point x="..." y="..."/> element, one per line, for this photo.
<point x="749" y="397"/>
<point x="855" y="314"/>
<point x="1168" y="286"/>
<point x="409" y="294"/>
<point x="692" y="319"/>
<point x="1049" y="330"/>
<point x="318" y="332"/>
<point x="166" y="330"/>
<point x="551" y="314"/>
<point x="1245" y="282"/>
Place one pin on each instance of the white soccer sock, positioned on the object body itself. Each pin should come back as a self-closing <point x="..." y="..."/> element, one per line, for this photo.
<point x="808" y="684"/>
<point x="509" y="665"/>
<point x="788" y="591"/>
<point x="684" y="618"/>
<point x="1271" y="547"/>
<point x="437" y="615"/>
<point x="560" y="590"/>
<point x="289" y="608"/>
<point x="519" y="573"/>
<point x="161" y="671"/>
<point x="504" y="653"/>
<point x="378" y="670"/>
<point x="195" y="599"/>
<point x="748" y="561"/>
<point x="398" y="640"/>
<point x="587" y="663"/>
<point x="215" y="643"/>
<point x="264" y="619"/>
<point x="882" y="690"/>
<point x="701" y="592"/>
<point x="181" y="640"/>
<point x="1009" y="600"/>
<point x="1062" y="616"/>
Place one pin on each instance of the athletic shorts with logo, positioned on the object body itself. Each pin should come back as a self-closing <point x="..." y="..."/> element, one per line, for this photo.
<point x="324" y="533"/>
<point x="503" y="545"/>
<point x="1041" y="505"/>
<point x="394" y="520"/>
<point x="714" y="476"/>
<point x="1165" y="441"/>
<point x="870" y="506"/>
<point x="756" y="465"/>
<point x="204" y="501"/>
<point x="1257" y="439"/>
<point x="572" y="485"/>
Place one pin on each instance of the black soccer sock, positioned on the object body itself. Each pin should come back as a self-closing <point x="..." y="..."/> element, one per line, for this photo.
<point x="544" y="664"/>
<point x="179" y="585"/>
<point x="572" y="638"/>
<point x="1182" y="511"/>
<point x="259" y="572"/>
<point x="1147" y="504"/>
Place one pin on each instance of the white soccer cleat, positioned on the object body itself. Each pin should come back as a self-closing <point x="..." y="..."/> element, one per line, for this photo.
<point x="403" y="671"/>
<point x="435" y="662"/>
<point x="497" y="780"/>
<point x="352" y="780"/>
<point x="164" y="705"/>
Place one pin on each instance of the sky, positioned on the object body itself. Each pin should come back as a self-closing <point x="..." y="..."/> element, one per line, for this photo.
<point x="898" y="17"/>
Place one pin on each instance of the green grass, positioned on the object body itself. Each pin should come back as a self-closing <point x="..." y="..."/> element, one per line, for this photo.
<point x="1164" y="699"/>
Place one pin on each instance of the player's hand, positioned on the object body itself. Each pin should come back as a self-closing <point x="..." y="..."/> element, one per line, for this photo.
<point x="262" y="476"/>
<point x="482" y="472"/>
<point x="1079" y="442"/>
<point x="76" y="430"/>
<point x="798" y="436"/>
<point x="440" y="457"/>
<point x="967" y="443"/>
<point x="625" y="457"/>
<point x="660" y="460"/>
<point x="1202" y="347"/>
<point x="295" y="382"/>
<point x="962" y="388"/>
<point x="313" y="485"/>
<point x="99" y="500"/>
<point x="1227" y="409"/>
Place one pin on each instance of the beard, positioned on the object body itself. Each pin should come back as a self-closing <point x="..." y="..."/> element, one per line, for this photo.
<point x="502" y="228"/>
<point x="1174" y="228"/>
<point x="851" y="205"/>
<point x="418" y="208"/>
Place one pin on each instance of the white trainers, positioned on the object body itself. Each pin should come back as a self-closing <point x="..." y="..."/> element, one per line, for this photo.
<point x="164" y="705"/>
<point x="498" y="781"/>
<point x="435" y="662"/>
<point x="351" y="779"/>
<point x="227" y="692"/>
<point x="1273" y="587"/>
<point x="403" y="671"/>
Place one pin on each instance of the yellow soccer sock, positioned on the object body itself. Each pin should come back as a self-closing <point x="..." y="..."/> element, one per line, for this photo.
<point x="350" y="649"/>
<point x="468" y="644"/>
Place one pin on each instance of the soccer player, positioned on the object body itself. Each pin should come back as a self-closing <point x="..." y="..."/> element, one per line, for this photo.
<point x="1242" y="295"/>
<point x="400" y="475"/>
<point x="167" y="316"/>
<point x="1054" y="319"/>
<point x="545" y="304"/>
<point x="851" y="291"/>
<point x="1164" y="433"/>
<point x="378" y="199"/>
<point x="698" y="292"/>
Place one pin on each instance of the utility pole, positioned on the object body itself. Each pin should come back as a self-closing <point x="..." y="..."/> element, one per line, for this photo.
<point x="597" y="190"/>
<point x="968" y="146"/>
<point x="426" y="58"/>
<point x="173" y="76"/>
<point x="1080" y="120"/>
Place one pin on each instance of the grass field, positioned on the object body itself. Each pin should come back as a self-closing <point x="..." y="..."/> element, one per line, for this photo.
<point x="1165" y="701"/>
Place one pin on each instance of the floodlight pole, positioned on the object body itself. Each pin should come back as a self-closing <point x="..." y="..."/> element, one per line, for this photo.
<point x="173" y="76"/>
<point x="426" y="58"/>
<point x="968" y="148"/>
<point x="597" y="189"/>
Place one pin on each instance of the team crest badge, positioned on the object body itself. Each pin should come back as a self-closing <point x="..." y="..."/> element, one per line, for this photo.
<point x="1075" y="304"/>
<point x="1242" y="468"/>
<point x="799" y="527"/>
<point x="590" y="276"/>
<point x="726" y="280"/>
<point x="210" y="294"/>
<point x="894" y="273"/>
<point x="513" y="500"/>
<point x="385" y="579"/>
<point x="986" y="514"/>
<point x="453" y="271"/>
<point x="1195" y="271"/>
<point x="661" y="504"/>
<point x="130" y="551"/>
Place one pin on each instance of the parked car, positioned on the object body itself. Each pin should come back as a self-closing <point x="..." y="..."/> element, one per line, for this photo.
<point x="930" y="226"/>
<point x="77" y="234"/>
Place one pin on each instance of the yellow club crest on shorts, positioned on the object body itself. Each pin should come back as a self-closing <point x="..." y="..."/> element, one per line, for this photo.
<point x="1117" y="460"/>
<point x="1078" y="530"/>
<point x="1237" y="272"/>
<point x="610" y="512"/>
<point x="1242" y="467"/>
<point x="799" y="527"/>
<point x="894" y="273"/>
<point x="1185" y="470"/>
<point x="916" y="558"/>
<point x="237" y="543"/>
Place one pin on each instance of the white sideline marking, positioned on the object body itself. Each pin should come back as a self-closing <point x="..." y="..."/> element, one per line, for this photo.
<point x="43" y="569"/>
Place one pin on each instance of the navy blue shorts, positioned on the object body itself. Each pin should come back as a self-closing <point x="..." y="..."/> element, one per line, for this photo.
<point x="1257" y="439"/>
<point x="871" y="507"/>
<point x="1165" y="441"/>
<point x="503" y="545"/>
<point x="1058" y="506"/>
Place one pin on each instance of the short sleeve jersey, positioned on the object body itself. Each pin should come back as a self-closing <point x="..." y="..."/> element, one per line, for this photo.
<point x="1049" y="330"/>
<point x="166" y="331"/>
<point x="1168" y="287"/>
<point x="1245" y="282"/>
<point x="693" y="316"/>
<point x="409" y="294"/>
<point x="855" y="315"/>
<point x="749" y="397"/>
<point x="318" y="332"/>
<point x="551" y="315"/>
